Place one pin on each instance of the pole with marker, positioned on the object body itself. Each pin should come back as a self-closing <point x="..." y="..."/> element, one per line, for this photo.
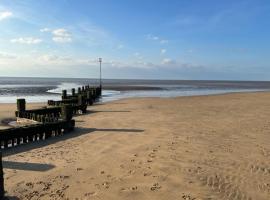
<point x="100" y="76"/>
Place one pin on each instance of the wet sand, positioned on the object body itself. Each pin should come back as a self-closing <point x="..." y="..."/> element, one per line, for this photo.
<point x="204" y="147"/>
<point x="131" y="88"/>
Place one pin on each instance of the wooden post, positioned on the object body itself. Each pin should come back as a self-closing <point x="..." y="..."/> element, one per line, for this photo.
<point x="21" y="105"/>
<point x="64" y="94"/>
<point x="66" y="112"/>
<point x="2" y="190"/>
<point x="89" y="98"/>
<point x="81" y="100"/>
<point x="82" y="103"/>
<point x="73" y="91"/>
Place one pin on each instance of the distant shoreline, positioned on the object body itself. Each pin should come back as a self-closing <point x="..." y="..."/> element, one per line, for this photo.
<point x="41" y="90"/>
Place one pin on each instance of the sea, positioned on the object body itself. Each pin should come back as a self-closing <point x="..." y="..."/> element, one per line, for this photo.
<point x="44" y="89"/>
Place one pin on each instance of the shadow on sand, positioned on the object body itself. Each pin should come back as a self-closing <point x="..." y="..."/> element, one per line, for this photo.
<point x="10" y="198"/>
<point x="76" y="133"/>
<point x="27" y="166"/>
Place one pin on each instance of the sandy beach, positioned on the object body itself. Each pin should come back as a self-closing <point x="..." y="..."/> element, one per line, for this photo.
<point x="190" y="148"/>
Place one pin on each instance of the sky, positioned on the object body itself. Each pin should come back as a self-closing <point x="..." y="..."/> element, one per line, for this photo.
<point x="137" y="39"/>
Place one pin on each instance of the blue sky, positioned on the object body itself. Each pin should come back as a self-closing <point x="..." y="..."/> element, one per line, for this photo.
<point x="150" y="39"/>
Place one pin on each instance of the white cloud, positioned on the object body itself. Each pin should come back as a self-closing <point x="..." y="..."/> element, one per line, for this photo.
<point x="55" y="58"/>
<point x="163" y="51"/>
<point x="26" y="40"/>
<point x="59" y="60"/>
<point x="7" y="56"/>
<point x="61" y="35"/>
<point x="5" y="14"/>
<point x="152" y="37"/>
<point x="138" y="55"/>
<point x="143" y="65"/>
<point x="62" y="39"/>
<point x="45" y="30"/>
<point x="49" y="58"/>
<point x="156" y="38"/>
<point x="168" y="61"/>
<point x="121" y="64"/>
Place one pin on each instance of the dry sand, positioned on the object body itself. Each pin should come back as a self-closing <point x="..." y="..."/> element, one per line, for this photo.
<point x="206" y="147"/>
<point x="7" y="112"/>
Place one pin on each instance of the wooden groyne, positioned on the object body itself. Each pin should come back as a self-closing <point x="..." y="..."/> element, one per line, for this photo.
<point x="50" y="121"/>
<point x="54" y="119"/>
<point x="84" y="95"/>
<point x="2" y="190"/>
<point x="30" y="133"/>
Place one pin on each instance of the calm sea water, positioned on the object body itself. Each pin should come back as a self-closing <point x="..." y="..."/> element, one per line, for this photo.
<point x="42" y="89"/>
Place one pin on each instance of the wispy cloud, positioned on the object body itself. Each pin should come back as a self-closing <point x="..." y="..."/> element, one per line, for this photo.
<point x="45" y="30"/>
<point x="138" y="55"/>
<point x="5" y="14"/>
<point x="163" y="51"/>
<point x="168" y="61"/>
<point x="26" y="40"/>
<point x="156" y="38"/>
<point x="55" y="59"/>
<point x="61" y="35"/>
<point x="152" y="37"/>
<point x="7" y="56"/>
<point x="177" y="64"/>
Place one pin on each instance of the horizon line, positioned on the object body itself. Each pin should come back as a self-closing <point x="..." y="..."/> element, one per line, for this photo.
<point x="142" y="79"/>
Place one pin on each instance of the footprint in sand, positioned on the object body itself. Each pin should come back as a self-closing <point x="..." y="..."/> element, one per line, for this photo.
<point x="187" y="197"/>
<point x="106" y="185"/>
<point x="63" y="177"/>
<point x="131" y="171"/>
<point x="29" y="184"/>
<point x="152" y="155"/>
<point x="122" y="166"/>
<point x="147" y="173"/>
<point x="134" y="188"/>
<point x="90" y="194"/>
<point x="155" y="187"/>
<point x="47" y="186"/>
